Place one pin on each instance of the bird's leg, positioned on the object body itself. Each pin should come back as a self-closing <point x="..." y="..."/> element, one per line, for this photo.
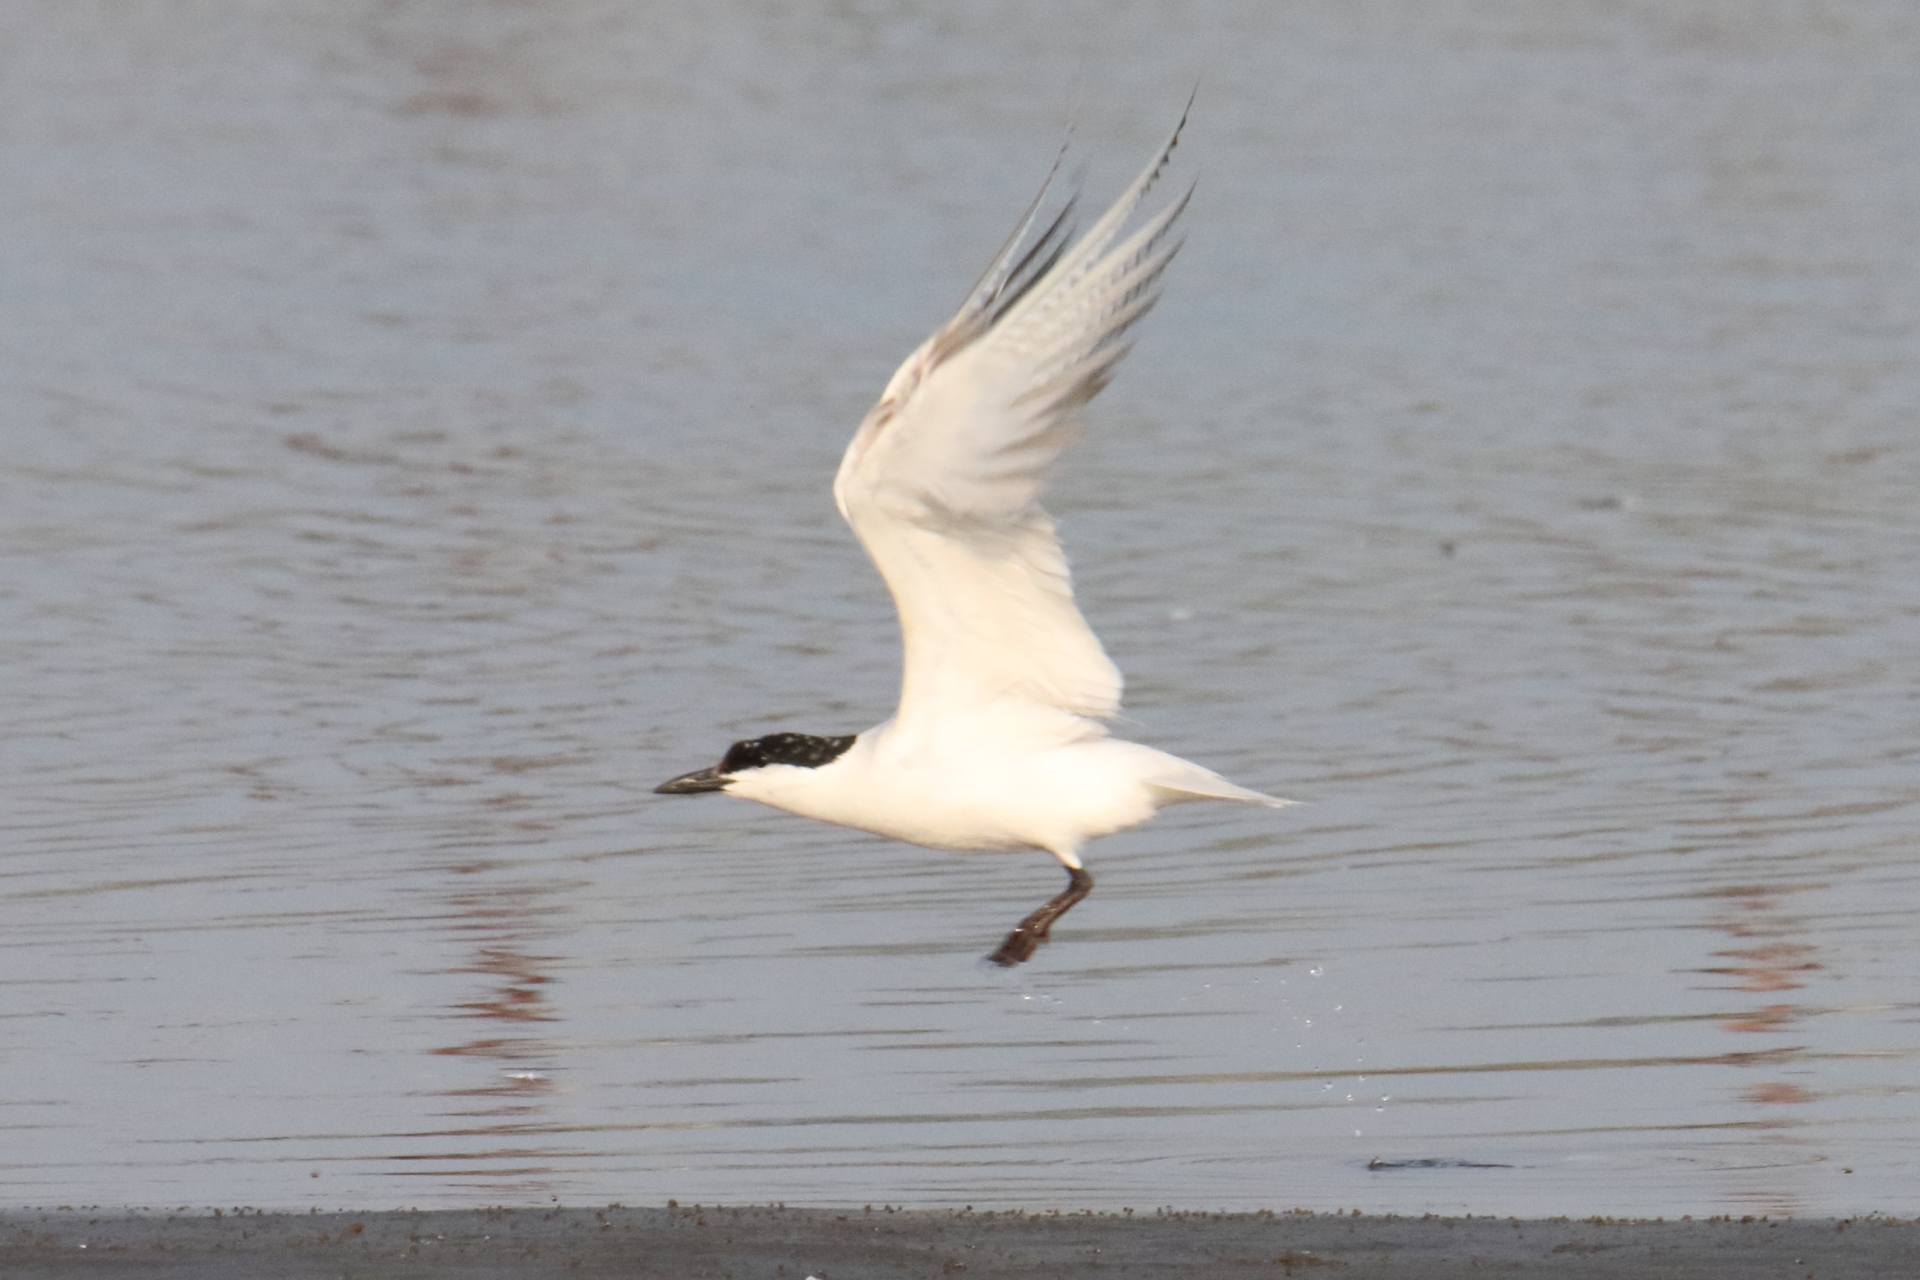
<point x="1031" y="932"/>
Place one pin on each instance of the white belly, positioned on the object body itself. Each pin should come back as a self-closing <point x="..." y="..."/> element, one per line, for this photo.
<point x="1056" y="798"/>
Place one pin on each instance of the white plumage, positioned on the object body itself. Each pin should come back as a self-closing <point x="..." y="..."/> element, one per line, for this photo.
<point x="999" y="740"/>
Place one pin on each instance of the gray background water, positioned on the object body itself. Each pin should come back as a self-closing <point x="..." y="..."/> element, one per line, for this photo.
<point x="418" y="421"/>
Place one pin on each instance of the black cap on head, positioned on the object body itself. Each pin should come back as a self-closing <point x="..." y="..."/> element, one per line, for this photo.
<point x="801" y="750"/>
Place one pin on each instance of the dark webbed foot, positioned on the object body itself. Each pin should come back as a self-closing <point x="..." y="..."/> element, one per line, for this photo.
<point x="1031" y="932"/>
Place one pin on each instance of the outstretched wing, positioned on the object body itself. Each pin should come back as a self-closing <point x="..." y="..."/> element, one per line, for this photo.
<point x="942" y="481"/>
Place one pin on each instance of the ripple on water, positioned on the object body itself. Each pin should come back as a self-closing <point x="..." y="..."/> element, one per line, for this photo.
<point x="421" y="455"/>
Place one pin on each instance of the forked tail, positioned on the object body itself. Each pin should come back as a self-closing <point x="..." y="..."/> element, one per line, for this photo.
<point x="1191" y="782"/>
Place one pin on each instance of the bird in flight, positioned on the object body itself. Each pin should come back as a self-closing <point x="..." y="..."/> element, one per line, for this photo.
<point x="999" y="741"/>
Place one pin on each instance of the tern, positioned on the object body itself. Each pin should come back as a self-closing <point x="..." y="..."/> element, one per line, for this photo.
<point x="999" y="741"/>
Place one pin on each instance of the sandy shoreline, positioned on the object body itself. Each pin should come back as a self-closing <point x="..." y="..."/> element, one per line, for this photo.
<point x="690" y="1243"/>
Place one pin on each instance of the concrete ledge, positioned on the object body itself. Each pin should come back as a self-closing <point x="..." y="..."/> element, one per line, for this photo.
<point x="693" y="1243"/>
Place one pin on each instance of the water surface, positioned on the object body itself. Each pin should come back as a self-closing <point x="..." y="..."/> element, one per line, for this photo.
<point x="419" y="423"/>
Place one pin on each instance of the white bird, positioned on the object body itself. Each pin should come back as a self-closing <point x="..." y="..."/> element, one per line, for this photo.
<point x="999" y="740"/>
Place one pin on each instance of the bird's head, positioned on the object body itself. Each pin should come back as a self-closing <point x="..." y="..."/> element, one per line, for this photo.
<point x="801" y="750"/>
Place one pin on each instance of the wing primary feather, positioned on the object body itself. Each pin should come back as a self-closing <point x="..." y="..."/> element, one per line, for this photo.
<point x="988" y="297"/>
<point x="1007" y="281"/>
<point x="998" y="272"/>
<point x="1002" y="289"/>
<point x="1092" y="247"/>
<point x="1069" y="369"/>
<point x="1033" y="269"/>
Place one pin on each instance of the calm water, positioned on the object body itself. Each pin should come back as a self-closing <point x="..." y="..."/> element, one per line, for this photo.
<point x="418" y="423"/>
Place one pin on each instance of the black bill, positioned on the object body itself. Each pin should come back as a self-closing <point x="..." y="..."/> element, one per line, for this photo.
<point x="692" y="783"/>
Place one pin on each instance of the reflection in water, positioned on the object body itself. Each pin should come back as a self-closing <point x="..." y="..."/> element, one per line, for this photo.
<point x="519" y="998"/>
<point x="1773" y="1017"/>
<point x="1768" y="960"/>
<point x="502" y="924"/>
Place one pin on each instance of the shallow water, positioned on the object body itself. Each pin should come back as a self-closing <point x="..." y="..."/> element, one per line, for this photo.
<point x="419" y="423"/>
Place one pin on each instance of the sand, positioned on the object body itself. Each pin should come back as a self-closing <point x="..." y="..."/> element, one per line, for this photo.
<point x="691" y="1243"/>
